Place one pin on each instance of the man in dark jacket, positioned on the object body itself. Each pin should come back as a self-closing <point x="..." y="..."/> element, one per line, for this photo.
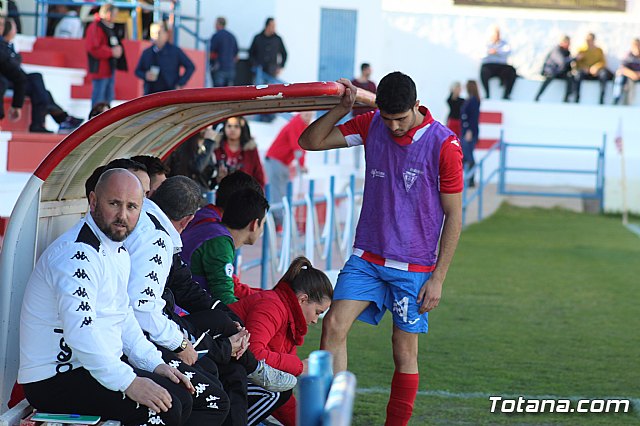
<point x="223" y="55"/>
<point x="268" y="53"/>
<point x="29" y="84"/>
<point x="557" y="65"/>
<point x="159" y="65"/>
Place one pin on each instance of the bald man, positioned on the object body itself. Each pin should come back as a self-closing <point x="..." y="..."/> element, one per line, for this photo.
<point x="76" y="323"/>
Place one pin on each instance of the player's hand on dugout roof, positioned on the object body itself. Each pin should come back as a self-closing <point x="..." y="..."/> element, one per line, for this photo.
<point x="349" y="97"/>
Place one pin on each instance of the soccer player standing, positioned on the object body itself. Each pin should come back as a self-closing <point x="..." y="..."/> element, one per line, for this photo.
<point x="408" y="228"/>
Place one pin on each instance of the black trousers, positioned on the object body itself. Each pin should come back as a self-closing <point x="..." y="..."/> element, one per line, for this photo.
<point x="77" y="392"/>
<point x="547" y="80"/>
<point x="602" y="76"/>
<point x="506" y="73"/>
<point x="210" y="401"/>
<point x="247" y="408"/>
<point x="42" y="102"/>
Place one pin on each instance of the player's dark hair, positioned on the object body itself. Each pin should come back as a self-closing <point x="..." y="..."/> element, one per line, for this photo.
<point x="396" y="93"/>
<point x="154" y="165"/>
<point x="243" y="207"/>
<point x="178" y="197"/>
<point x="90" y="183"/>
<point x="233" y="183"/>
<point x="305" y="279"/>
<point x="364" y="66"/>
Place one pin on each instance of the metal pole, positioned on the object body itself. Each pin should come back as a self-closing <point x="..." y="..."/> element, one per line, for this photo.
<point x="480" y="191"/>
<point x="198" y="27"/>
<point x="602" y="169"/>
<point x="177" y="22"/>
<point x="264" y="266"/>
<point x="503" y="162"/>
<point x="134" y="21"/>
<point x="309" y="238"/>
<point x="330" y="205"/>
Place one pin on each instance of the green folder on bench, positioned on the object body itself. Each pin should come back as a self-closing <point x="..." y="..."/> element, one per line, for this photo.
<point x="66" y="418"/>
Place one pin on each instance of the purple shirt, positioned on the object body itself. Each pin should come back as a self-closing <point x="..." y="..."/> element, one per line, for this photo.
<point x="402" y="216"/>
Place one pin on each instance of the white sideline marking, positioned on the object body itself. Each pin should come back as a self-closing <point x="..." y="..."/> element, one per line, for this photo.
<point x="478" y="395"/>
<point x="634" y="228"/>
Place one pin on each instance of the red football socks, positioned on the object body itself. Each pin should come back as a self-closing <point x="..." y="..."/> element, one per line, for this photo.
<point x="404" y="388"/>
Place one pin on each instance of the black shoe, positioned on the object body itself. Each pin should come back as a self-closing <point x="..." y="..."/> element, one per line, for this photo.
<point x="39" y="129"/>
<point x="69" y="125"/>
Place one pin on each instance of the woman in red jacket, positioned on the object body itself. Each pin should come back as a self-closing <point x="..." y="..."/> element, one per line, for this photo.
<point x="235" y="149"/>
<point x="278" y="320"/>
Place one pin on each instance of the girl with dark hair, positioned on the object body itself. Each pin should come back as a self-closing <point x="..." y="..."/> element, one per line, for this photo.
<point x="278" y="320"/>
<point x="235" y="149"/>
<point x="470" y="113"/>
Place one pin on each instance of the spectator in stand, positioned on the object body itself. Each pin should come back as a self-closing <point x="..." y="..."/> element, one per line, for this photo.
<point x="279" y="319"/>
<point x="281" y="154"/>
<point x="70" y="26"/>
<point x="42" y="102"/>
<point x="470" y="114"/>
<point x="267" y="54"/>
<point x="591" y="65"/>
<point x="557" y="64"/>
<point x="159" y="65"/>
<point x="628" y="73"/>
<point x="223" y="55"/>
<point x="494" y="64"/>
<point x="11" y="74"/>
<point x="157" y="170"/>
<point x="98" y="108"/>
<point x="235" y="149"/>
<point x="209" y="245"/>
<point x="455" y="104"/>
<point x="105" y="54"/>
<point x="195" y="159"/>
<point x="364" y="82"/>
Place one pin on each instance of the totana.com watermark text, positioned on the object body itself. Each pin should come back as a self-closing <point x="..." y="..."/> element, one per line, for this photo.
<point x="523" y="405"/>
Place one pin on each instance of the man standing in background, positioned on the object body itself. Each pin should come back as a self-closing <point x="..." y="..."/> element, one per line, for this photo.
<point x="223" y="55"/>
<point x="267" y="52"/>
<point x="159" y="65"/>
<point x="105" y="53"/>
<point x="364" y="82"/>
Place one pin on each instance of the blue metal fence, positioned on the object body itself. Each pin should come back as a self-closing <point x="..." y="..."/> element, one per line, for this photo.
<point x="597" y="172"/>
<point x="469" y="195"/>
<point x="337" y="233"/>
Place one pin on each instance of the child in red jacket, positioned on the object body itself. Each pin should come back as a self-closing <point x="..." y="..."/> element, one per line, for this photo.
<point x="278" y="320"/>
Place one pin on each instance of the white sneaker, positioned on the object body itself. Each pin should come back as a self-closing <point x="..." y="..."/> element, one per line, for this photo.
<point x="271" y="378"/>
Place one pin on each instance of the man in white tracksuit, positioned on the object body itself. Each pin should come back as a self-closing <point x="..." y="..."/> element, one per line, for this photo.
<point x="76" y="323"/>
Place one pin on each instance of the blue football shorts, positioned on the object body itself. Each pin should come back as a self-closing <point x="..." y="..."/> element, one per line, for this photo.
<point x="387" y="289"/>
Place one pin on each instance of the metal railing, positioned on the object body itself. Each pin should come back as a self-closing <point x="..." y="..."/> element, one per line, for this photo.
<point x="337" y="233"/>
<point x="41" y="14"/>
<point x="597" y="172"/>
<point x="468" y="194"/>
